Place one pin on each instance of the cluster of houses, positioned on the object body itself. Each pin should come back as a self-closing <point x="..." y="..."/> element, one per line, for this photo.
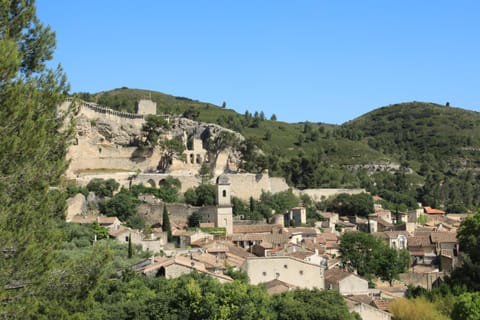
<point x="286" y="258"/>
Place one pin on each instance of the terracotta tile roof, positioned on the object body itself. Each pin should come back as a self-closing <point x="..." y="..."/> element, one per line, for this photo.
<point x="217" y="249"/>
<point x="335" y="275"/>
<point x="329" y="236"/>
<point x="306" y="231"/>
<point x="430" y="210"/>
<point x="384" y="223"/>
<point x="301" y="255"/>
<point x="234" y="260"/>
<point x="419" y="241"/>
<point x="256" y="228"/>
<point x="439" y="237"/>
<point x="381" y="304"/>
<point x="209" y="260"/>
<point x="276" y="286"/>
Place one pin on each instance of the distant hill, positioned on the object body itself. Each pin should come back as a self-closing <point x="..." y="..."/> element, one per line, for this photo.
<point x="406" y="152"/>
<point x="423" y="132"/>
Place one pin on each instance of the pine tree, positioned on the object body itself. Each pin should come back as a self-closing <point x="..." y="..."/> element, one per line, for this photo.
<point x="166" y="223"/>
<point x="33" y="143"/>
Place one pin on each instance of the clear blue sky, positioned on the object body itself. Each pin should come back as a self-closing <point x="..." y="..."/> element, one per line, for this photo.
<point x="319" y="61"/>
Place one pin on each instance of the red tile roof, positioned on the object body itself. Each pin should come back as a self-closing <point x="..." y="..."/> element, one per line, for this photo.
<point x="430" y="210"/>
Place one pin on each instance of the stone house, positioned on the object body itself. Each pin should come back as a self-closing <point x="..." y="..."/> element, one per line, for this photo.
<point x="184" y="238"/>
<point x="297" y="235"/>
<point x="177" y="266"/>
<point x="421" y="249"/>
<point x="367" y="311"/>
<point x="345" y="282"/>
<point x="295" y="272"/>
<point x="153" y="242"/>
<point x="394" y="239"/>
<point x="329" y="221"/>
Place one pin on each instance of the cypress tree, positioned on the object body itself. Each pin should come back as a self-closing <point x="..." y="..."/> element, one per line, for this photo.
<point x="130" y="249"/>
<point x="33" y="144"/>
<point x="166" y="223"/>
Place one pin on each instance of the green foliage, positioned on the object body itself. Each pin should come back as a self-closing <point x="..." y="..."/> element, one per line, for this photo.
<point x="99" y="231"/>
<point x="33" y="142"/>
<point x="419" y="308"/>
<point x="349" y="205"/>
<point x="469" y="237"/>
<point x="102" y="188"/>
<point x="216" y="231"/>
<point x="171" y="148"/>
<point x="154" y="125"/>
<point x="194" y="219"/>
<point x="467" y="307"/>
<point x="281" y="202"/>
<point x="191" y="113"/>
<point x="311" y="304"/>
<point x="203" y="195"/>
<point x="74" y="189"/>
<point x="167" y="190"/>
<point x="238" y="275"/>
<point x="123" y="205"/>
<point x="166" y="223"/>
<point x="205" y="173"/>
<point x="371" y="256"/>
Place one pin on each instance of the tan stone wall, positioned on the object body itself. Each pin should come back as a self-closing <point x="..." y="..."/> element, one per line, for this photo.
<point x="248" y="185"/>
<point x="353" y="285"/>
<point x="87" y="155"/>
<point x="324" y="193"/>
<point x="289" y="270"/>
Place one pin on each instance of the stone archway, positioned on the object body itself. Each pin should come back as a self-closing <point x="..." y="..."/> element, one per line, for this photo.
<point x="151" y="183"/>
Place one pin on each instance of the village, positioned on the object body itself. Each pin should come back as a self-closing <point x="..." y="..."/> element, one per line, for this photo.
<point x="283" y="253"/>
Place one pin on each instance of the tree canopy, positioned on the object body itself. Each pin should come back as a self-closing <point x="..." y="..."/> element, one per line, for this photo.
<point x="33" y="142"/>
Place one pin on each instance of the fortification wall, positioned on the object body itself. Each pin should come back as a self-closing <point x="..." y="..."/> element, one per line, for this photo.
<point x="324" y="193"/>
<point x="246" y="185"/>
<point x="87" y="154"/>
<point x="94" y="111"/>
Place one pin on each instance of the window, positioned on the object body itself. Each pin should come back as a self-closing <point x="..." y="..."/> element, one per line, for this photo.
<point x="277" y="275"/>
<point x="301" y="272"/>
<point x="224" y="193"/>
<point x="285" y="266"/>
<point x="264" y="273"/>
<point x="126" y="239"/>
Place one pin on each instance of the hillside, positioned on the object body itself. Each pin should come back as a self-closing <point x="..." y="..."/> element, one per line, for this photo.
<point x="407" y="153"/>
<point x="423" y="132"/>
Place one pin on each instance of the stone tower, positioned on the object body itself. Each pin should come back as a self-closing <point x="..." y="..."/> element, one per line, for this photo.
<point x="224" y="216"/>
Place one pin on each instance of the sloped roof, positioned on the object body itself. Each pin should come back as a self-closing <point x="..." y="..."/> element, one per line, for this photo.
<point x="301" y="255"/>
<point x="439" y="237"/>
<point x="430" y="210"/>
<point x="276" y="286"/>
<point x="336" y="275"/>
<point x="256" y="228"/>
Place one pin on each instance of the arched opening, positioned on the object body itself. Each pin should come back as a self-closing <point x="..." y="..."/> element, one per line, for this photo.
<point x="161" y="272"/>
<point x="191" y="158"/>
<point x="162" y="183"/>
<point x="224" y="193"/>
<point x="151" y="183"/>
<point x="199" y="159"/>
